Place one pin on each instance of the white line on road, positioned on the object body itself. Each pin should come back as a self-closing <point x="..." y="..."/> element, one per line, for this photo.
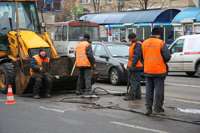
<point x="52" y="109"/>
<point x="191" y="111"/>
<point x="183" y="85"/>
<point x="137" y="127"/>
<point x="184" y="100"/>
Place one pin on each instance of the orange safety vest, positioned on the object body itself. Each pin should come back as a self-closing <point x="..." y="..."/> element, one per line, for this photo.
<point x="153" y="60"/>
<point x="131" y="55"/>
<point x="40" y="60"/>
<point x="81" y="56"/>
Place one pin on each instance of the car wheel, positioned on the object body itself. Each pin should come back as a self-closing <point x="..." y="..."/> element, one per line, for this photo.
<point x="114" y="76"/>
<point x="198" y="70"/>
<point x="190" y="73"/>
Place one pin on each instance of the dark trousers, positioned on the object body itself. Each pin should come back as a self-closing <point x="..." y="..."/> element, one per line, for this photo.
<point x="41" y="82"/>
<point x="154" y="92"/>
<point x="135" y="78"/>
<point x="84" y="84"/>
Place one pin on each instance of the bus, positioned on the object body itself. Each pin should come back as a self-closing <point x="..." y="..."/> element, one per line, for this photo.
<point x="66" y="35"/>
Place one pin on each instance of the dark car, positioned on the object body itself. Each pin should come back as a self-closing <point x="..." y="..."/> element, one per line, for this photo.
<point x="111" y="61"/>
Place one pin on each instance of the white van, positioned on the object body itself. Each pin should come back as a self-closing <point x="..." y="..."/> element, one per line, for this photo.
<point x="185" y="55"/>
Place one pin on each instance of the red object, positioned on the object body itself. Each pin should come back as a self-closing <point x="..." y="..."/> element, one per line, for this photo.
<point x="77" y="24"/>
<point x="10" y="97"/>
<point x="191" y="53"/>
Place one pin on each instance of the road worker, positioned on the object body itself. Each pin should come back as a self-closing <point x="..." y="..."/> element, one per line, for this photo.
<point x="135" y="68"/>
<point x="85" y="61"/>
<point x="40" y="77"/>
<point x="155" y="55"/>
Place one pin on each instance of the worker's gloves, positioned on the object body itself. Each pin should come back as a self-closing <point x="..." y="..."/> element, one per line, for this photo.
<point x="36" y="69"/>
<point x="94" y="66"/>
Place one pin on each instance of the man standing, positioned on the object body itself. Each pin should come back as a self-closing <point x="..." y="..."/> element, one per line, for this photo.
<point x="155" y="56"/>
<point x="135" y="68"/>
<point x="84" y="62"/>
<point x="40" y="75"/>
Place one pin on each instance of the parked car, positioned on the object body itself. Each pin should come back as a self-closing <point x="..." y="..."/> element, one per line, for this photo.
<point x="185" y="55"/>
<point x="111" y="61"/>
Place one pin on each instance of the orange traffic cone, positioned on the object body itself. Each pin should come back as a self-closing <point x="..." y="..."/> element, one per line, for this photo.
<point x="10" y="97"/>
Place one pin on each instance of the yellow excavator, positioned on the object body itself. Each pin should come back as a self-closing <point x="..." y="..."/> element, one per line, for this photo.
<point x="22" y="35"/>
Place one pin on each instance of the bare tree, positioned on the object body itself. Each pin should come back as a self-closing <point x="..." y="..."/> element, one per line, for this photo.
<point x="120" y="5"/>
<point x="96" y="4"/>
<point x="146" y="4"/>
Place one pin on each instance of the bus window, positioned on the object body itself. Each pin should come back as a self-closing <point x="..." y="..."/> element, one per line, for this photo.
<point x="76" y="32"/>
<point x="64" y="36"/>
<point x="93" y="32"/>
<point x="58" y="34"/>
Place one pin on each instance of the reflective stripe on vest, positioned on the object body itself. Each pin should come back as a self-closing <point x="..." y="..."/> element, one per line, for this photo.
<point x="81" y="56"/>
<point x="40" y="60"/>
<point x="153" y="60"/>
<point x="131" y="55"/>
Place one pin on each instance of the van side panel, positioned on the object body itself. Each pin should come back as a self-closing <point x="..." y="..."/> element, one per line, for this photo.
<point x="191" y="52"/>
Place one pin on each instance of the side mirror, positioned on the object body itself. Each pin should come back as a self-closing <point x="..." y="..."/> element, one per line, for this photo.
<point x="52" y="35"/>
<point x="104" y="56"/>
<point x="170" y="50"/>
<point x="43" y="25"/>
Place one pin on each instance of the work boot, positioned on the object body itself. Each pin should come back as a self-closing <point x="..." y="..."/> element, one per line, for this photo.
<point x="138" y="97"/>
<point x="148" y="111"/>
<point x="129" y="98"/>
<point x="78" y="92"/>
<point x="36" y="96"/>
<point x="159" y="110"/>
<point x="48" y="95"/>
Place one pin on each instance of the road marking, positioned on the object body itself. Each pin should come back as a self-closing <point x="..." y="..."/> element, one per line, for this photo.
<point x="183" y="85"/>
<point x="185" y="101"/>
<point x="191" y="111"/>
<point x="52" y="109"/>
<point x="137" y="127"/>
<point x="111" y="91"/>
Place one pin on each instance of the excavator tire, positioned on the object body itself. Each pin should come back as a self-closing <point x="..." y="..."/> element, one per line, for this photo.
<point x="7" y="76"/>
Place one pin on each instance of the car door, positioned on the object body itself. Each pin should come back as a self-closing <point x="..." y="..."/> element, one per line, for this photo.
<point x="102" y="60"/>
<point x="176" y="62"/>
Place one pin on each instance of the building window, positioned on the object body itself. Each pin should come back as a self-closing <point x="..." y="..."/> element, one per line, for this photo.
<point x="109" y="1"/>
<point x="50" y="5"/>
<point x="85" y="1"/>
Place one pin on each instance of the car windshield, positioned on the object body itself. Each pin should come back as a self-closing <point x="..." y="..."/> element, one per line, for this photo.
<point x="118" y="50"/>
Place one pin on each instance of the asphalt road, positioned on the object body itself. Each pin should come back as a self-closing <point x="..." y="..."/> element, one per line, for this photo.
<point x="177" y="85"/>
<point x="52" y="116"/>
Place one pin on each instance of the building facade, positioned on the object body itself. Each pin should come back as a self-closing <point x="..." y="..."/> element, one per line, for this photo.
<point x="126" y="5"/>
<point x="114" y="5"/>
<point x="62" y="10"/>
